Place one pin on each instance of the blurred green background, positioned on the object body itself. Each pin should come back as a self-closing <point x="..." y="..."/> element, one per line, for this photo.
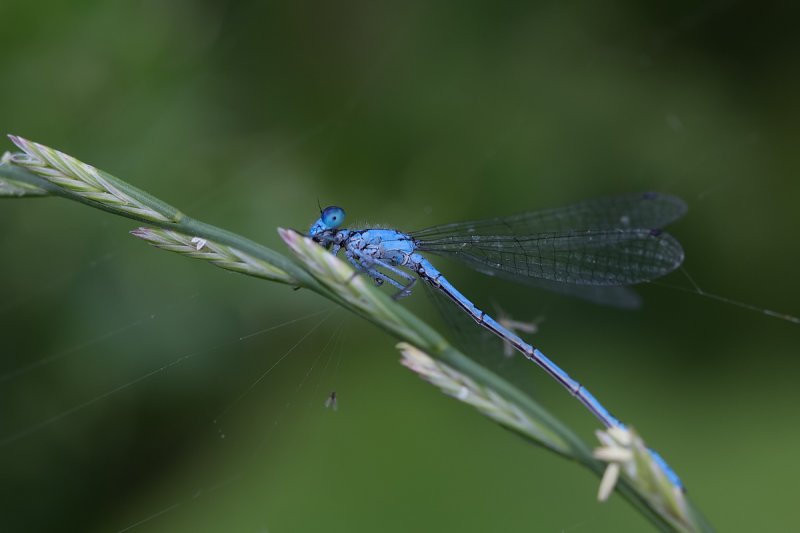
<point x="128" y="375"/>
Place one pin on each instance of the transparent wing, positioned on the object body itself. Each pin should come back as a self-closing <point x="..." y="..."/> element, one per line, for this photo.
<point x="611" y="241"/>
<point x="612" y="296"/>
<point x="646" y="210"/>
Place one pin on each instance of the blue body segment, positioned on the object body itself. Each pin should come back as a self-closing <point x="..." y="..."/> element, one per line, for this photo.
<point x="601" y="245"/>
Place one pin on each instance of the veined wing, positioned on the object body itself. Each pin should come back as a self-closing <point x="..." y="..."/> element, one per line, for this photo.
<point x="606" y="242"/>
<point x="648" y="210"/>
<point x="590" y="257"/>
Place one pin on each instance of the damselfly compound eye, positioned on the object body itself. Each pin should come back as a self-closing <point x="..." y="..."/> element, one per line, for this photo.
<point x="332" y="216"/>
